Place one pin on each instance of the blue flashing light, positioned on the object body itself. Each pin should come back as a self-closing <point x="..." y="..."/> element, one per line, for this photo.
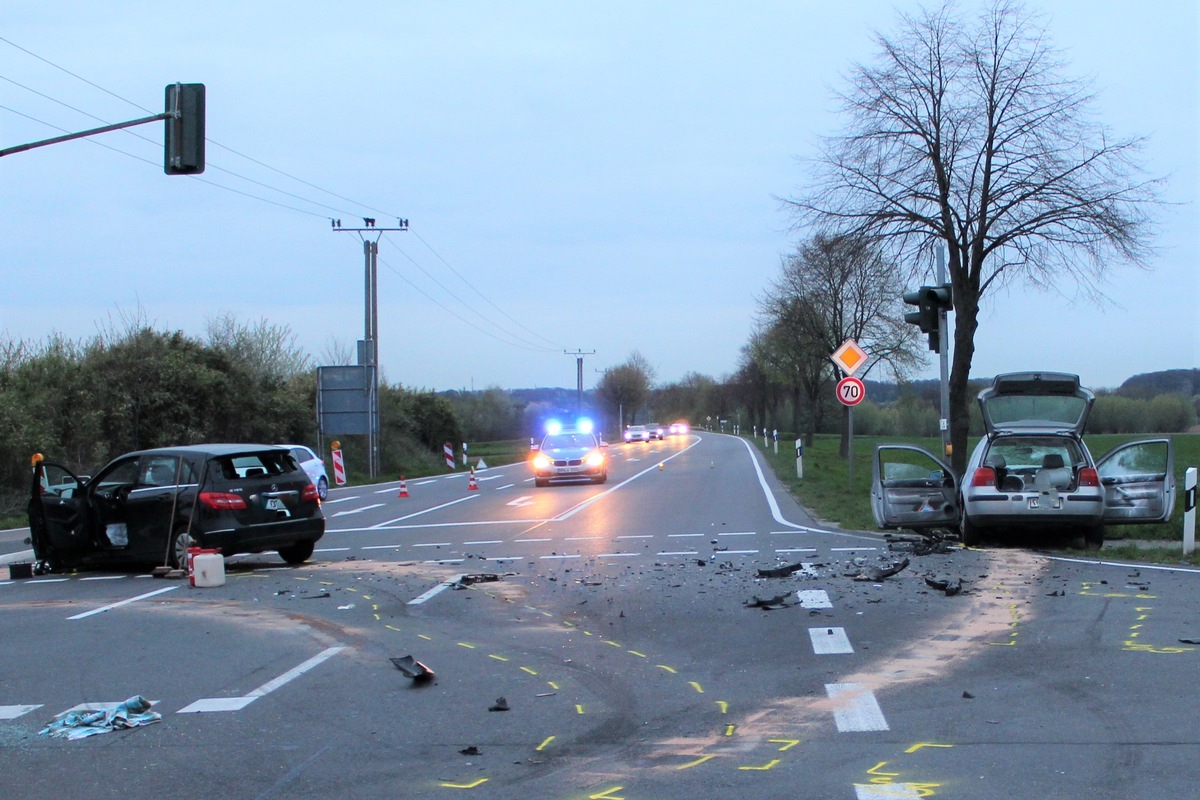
<point x="585" y="425"/>
<point x="553" y="427"/>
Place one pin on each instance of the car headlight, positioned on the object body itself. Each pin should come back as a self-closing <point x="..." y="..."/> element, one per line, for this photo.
<point x="594" y="459"/>
<point x="542" y="461"/>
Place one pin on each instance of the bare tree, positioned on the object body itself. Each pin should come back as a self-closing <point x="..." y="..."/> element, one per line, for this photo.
<point x="830" y="290"/>
<point x="967" y="134"/>
<point x="626" y="387"/>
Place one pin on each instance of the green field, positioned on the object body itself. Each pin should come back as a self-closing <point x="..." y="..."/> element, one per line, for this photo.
<point x="828" y="494"/>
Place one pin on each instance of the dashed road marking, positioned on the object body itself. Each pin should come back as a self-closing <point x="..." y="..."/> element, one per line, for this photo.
<point x="814" y="598"/>
<point x="829" y="641"/>
<point x="855" y="708"/>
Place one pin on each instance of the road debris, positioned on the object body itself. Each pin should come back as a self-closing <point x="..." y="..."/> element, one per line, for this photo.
<point x="500" y="705"/>
<point x="781" y="572"/>
<point x="413" y="669"/>
<point x="315" y="596"/>
<point x="470" y="751"/>
<point x="480" y="577"/>
<point x="875" y="574"/>
<point x="133" y="713"/>
<point x="771" y="604"/>
<point x="951" y="586"/>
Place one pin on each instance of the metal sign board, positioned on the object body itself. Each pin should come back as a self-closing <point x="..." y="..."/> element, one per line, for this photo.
<point x="851" y="391"/>
<point x="344" y="400"/>
<point x="849" y="357"/>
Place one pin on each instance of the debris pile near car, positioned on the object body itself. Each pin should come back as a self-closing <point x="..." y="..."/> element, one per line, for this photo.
<point x="875" y="573"/>
<point x="133" y="713"/>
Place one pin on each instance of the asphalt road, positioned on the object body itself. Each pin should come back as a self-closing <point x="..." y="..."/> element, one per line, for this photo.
<point x="619" y="637"/>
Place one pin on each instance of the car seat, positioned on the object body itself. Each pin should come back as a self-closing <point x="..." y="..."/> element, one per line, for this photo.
<point x="1005" y="481"/>
<point x="1053" y="474"/>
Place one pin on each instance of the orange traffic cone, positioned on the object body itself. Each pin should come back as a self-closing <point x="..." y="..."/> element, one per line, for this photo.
<point x="472" y="486"/>
<point x="403" y="488"/>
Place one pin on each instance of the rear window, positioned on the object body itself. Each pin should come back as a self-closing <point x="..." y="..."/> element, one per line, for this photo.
<point x="1027" y="453"/>
<point x="1007" y="409"/>
<point x="267" y="464"/>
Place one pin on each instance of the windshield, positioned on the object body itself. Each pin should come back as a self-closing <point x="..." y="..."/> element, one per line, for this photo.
<point x="562" y="441"/>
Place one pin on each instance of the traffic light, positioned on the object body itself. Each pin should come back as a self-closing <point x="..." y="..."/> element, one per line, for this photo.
<point x="930" y="301"/>
<point x="184" y="141"/>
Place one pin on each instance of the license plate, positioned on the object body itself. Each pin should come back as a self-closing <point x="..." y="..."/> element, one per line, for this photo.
<point x="567" y="470"/>
<point x="275" y="504"/>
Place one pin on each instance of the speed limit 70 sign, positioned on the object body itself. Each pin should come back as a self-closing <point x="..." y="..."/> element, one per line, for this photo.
<point x="851" y="391"/>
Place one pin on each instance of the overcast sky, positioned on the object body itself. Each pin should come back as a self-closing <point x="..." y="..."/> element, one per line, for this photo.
<point x="577" y="176"/>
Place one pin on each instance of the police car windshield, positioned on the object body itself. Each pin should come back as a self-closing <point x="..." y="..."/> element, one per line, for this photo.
<point x="561" y="441"/>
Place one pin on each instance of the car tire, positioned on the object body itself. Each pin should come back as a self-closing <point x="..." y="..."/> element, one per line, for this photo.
<point x="1093" y="537"/>
<point x="298" y="553"/>
<point x="970" y="533"/>
<point x="541" y="482"/>
<point x="322" y="488"/>
<point x="181" y="540"/>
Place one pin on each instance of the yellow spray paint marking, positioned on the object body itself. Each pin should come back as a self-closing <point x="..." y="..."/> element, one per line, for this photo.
<point x="696" y="763"/>
<point x="374" y="606"/>
<point x="527" y="669"/>
<point x="724" y="706"/>
<point x="588" y="633"/>
<point x="498" y="658"/>
<point x="609" y="641"/>
<point x="921" y="745"/>
<point x="668" y="669"/>
<point x="466" y="645"/>
<point x="552" y="685"/>
<point x="301" y="579"/>
<point x="607" y="794"/>
<point x="696" y="686"/>
<point x="729" y="729"/>
<point x="636" y="653"/>
<point x="788" y="744"/>
<point x="326" y="583"/>
<point x="377" y="617"/>
<point x="764" y="767"/>
<point x="578" y="709"/>
<point x="368" y="597"/>
<point x="479" y="782"/>
<point x="875" y="770"/>
<point x="393" y="628"/>
<point x="544" y="744"/>
<point x="426" y="638"/>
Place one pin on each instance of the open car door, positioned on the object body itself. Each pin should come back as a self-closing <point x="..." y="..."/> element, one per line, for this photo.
<point x="910" y="488"/>
<point x="1139" y="482"/>
<point x="59" y="521"/>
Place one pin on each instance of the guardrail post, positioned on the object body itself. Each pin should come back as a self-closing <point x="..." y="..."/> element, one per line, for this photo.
<point x="1189" y="511"/>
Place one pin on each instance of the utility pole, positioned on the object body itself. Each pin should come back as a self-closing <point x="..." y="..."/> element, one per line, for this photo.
<point x="579" y="354"/>
<point x="368" y="348"/>
<point x="943" y="359"/>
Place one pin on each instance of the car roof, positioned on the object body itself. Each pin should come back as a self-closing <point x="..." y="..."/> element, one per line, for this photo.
<point x="212" y="450"/>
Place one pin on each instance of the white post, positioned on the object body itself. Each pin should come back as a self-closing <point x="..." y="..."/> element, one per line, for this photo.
<point x="776" y="438"/>
<point x="800" y="459"/>
<point x="1189" y="511"/>
<point x="464" y="454"/>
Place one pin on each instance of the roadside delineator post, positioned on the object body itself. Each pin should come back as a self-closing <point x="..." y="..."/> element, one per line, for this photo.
<point x="472" y="486"/>
<point x="1189" y="511"/>
<point x="403" y="488"/>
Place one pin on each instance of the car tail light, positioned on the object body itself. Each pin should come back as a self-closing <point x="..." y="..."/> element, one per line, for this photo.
<point x="223" y="501"/>
<point x="309" y="494"/>
<point x="984" y="476"/>
<point x="1089" y="477"/>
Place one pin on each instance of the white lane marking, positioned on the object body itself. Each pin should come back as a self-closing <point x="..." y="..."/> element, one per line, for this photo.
<point x="47" y="580"/>
<point x="488" y="478"/>
<point x="381" y="547"/>
<point x="432" y="544"/>
<point x="855" y="708"/>
<point x="339" y="500"/>
<point x="238" y="703"/>
<point x="814" y="598"/>
<point x="493" y="541"/>
<point x="358" y="510"/>
<point x="104" y="578"/>
<point x="445" y="561"/>
<point x="12" y="712"/>
<point x="683" y="535"/>
<point x="632" y="460"/>
<point x="581" y="506"/>
<point x="102" y="609"/>
<point x="505" y="558"/>
<point x="829" y="641"/>
<point x="618" y="555"/>
<point x="555" y="558"/>
<point x="505" y="486"/>
<point x="781" y="533"/>
<point x="424" y="483"/>
<point x="796" y="550"/>
<point x="424" y="511"/>
<point x="734" y="553"/>
<point x="521" y="502"/>
<point x="395" y="488"/>
<point x="738" y="533"/>
<point x="390" y="527"/>
<point x="890" y="791"/>
<point x="435" y="591"/>
<point x="533" y="540"/>
<point x="850" y="549"/>
<point x="680" y="553"/>
<point x="330" y="550"/>
<point x="638" y="536"/>
<point x="580" y="538"/>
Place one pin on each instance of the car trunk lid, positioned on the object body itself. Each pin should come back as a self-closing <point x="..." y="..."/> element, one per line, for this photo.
<point x="1047" y="401"/>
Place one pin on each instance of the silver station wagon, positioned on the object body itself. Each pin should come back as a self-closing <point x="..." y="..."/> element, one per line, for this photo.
<point x="1031" y="470"/>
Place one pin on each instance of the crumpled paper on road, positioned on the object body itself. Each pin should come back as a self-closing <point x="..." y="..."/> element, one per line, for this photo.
<point x="133" y="713"/>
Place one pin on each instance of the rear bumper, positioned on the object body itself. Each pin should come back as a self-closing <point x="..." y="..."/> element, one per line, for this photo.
<point x="264" y="537"/>
<point x="1015" y="509"/>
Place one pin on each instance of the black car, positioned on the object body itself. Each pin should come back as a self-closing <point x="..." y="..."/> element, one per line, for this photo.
<point x="152" y="505"/>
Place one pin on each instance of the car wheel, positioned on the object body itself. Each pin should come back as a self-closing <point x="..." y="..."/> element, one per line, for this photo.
<point x="181" y="540"/>
<point x="1093" y="537"/>
<point x="970" y="533"/>
<point x="297" y="553"/>
<point x="322" y="487"/>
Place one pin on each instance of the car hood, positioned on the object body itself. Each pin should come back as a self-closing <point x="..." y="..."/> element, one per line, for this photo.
<point x="1045" y="401"/>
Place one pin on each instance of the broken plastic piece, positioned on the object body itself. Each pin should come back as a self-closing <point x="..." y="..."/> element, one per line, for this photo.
<point x="482" y="577"/>
<point x="470" y="751"/>
<point x="778" y="601"/>
<point x="501" y="705"/>
<point x="781" y="572"/>
<point x="413" y="669"/>
<point x="879" y="573"/>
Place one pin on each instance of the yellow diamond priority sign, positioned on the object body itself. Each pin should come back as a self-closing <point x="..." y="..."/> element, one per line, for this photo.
<point x="849" y="357"/>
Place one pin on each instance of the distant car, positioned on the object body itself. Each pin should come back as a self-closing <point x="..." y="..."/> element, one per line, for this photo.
<point x="678" y="428"/>
<point x="569" y="455"/>
<point x="637" y="433"/>
<point x="313" y="466"/>
<point x="656" y="431"/>
<point x="1031" y="470"/>
<point x="150" y="506"/>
